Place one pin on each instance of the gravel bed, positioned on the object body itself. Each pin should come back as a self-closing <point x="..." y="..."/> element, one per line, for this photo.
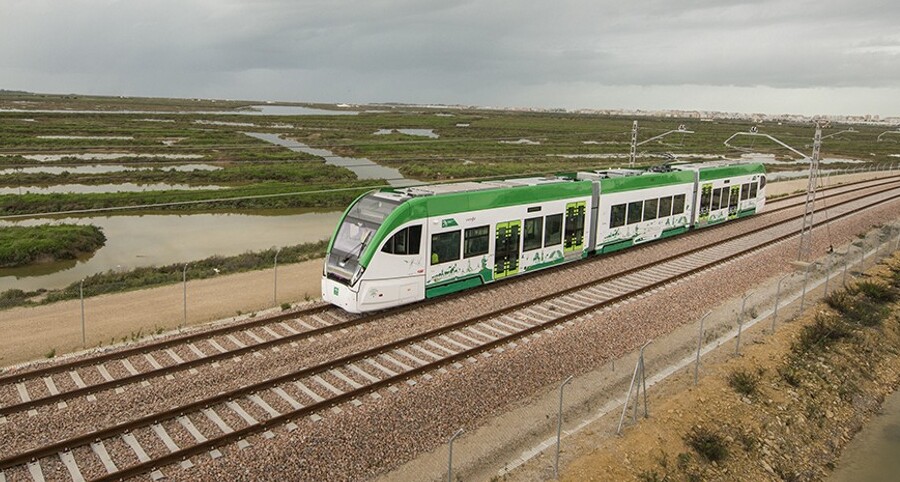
<point x="111" y="408"/>
<point x="362" y="442"/>
<point x="88" y="463"/>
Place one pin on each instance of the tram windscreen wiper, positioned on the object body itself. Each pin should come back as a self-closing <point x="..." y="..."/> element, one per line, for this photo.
<point x="359" y="248"/>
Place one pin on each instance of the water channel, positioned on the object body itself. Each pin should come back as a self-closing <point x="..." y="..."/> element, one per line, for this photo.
<point x="363" y="168"/>
<point x="252" y="110"/>
<point x="872" y="455"/>
<point x="104" y="188"/>
<point x="160" y="239"/>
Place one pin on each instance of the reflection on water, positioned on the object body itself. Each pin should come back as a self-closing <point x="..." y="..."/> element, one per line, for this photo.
<point x="363" y="168"/>
<point x="105" y="168"/>
<point x="161" y="239"/>
<point x="872" y="455"/>
<point x="103" y="188"/>
<point x="411" y="132"/>
<point x="106" y="156"/>
<point x="253" y="110"/>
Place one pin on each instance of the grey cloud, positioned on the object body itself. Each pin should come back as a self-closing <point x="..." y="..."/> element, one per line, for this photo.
<point x="443" y="51"/>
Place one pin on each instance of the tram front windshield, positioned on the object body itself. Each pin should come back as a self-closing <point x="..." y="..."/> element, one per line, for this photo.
<point x="355" y="233"/>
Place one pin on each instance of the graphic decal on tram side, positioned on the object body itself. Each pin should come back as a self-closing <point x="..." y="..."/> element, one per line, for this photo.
<point x="398" y="246"/>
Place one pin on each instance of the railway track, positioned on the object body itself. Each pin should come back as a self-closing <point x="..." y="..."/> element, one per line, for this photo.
<point x="312" y="390"/>
<point x="116" y="370"/>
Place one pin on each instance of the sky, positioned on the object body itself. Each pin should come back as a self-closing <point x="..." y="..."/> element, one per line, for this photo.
<point x="769" y="56"/>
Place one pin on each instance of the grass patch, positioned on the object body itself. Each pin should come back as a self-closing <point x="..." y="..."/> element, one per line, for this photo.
<point x="709" y="444"/>
<point x="743" y="382"/>
<point x="823" y="332"/>
<point x="23" y="245"/>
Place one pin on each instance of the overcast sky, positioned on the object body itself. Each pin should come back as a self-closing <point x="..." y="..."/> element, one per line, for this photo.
<point x="773" y="56"/>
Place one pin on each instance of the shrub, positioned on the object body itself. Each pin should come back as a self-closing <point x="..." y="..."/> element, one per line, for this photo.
<point x="877" y="292"/>
<point x="824" y="331"/>
<point x="710" y="445"/>
<point x="743" y="382"/>
<point x="285" y="306"/>
<point x="51" y="353"/>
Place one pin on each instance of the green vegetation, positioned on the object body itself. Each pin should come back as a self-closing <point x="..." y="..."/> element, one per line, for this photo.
<point x="114" y="282"/>
<point x="471" y="143"/>
<point x="709" y="444"/>
<point x="743" y="382"/>
<point x="22" y="245"/>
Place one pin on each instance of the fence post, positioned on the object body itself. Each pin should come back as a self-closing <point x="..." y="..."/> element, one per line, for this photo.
<point x="184" y="285"/>
<point x="638" y="368"/>
<point x="805" y="281"/>
<point x="559" y="426"/>
<point x="777" y="296"/>
<point x="699" y="345"/>
<point x="450" y="456"/>
<point x="81" y="295"/>
<point x="737" y="346"/>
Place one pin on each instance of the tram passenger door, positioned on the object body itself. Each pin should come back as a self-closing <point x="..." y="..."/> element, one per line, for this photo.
<point x="574" y="230"/>
<point x="506" y="252"/>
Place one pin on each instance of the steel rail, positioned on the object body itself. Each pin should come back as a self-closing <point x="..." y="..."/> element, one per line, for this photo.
<point x="77" y="441"/>
<point x="239" y="434"/>
<point x="158" y="372"/>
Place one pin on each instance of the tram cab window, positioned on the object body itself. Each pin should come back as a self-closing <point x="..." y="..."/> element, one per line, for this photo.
<point x="477" y="241"/>
<point x="635" y="211"/>
<point x="678" y="204"/>
<point x="665" y="206"/>
<point x="617" y="216"/>
<point x="745" y="191"/>
<point x="553" y="230"/>
<point x="762" y="182"/>
<point x="405" y="241"/>
<point x="445" y="247"/>
<point x="753" y="190"/>
<point x="533" y="234"/>
<point x="650" y="207"/>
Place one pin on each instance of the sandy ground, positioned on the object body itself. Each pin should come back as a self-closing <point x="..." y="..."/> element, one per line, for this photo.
<point x="32" y="333"/>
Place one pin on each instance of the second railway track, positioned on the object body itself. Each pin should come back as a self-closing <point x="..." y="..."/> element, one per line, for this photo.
<point x="311" y="390"/>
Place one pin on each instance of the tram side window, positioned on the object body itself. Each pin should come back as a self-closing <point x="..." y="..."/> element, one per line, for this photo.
<point x="650" y="207"/>
<point x="745" y="192"/>
<point x="406" y="241"/>
<point x="477" y="241"/>
<point x="665" y="206"/>
<point x="445" y="247"/>
<point x="678" y="204"/>
<point x="716" y="199"/>
<point x="553" y="233"/>
<point x="753" y="190"/>
<point x="617" y="216"/>
<point x="533" y="234"/>
<point x="635" y="211"/>
<point x="704" y="200"/>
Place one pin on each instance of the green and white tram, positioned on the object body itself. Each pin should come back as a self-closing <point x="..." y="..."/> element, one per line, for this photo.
<point x="398" y="246"/>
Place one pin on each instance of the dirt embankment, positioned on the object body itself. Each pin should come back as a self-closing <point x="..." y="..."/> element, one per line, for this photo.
<point x="783" y="410"/>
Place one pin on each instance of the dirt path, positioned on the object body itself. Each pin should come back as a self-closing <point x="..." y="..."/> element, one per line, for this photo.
<point x="31" y="333"/>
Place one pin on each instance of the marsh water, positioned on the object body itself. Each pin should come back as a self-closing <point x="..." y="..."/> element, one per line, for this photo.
<point x="104" y="188"/>
<point x="874" y="453"/>
<point x="363" y="168"/>
<point x="160" y="239"/>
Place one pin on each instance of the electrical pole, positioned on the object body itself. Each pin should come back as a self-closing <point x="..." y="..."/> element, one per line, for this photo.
<point x="806" y="230"/>
<point x="633" y="144"/>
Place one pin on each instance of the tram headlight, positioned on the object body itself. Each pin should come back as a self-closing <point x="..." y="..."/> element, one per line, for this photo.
<point x="357" y="275"/>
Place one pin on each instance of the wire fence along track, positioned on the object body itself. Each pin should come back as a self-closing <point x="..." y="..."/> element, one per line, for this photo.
<point x="300" y="332"/>
<point x="458" y="341"/>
